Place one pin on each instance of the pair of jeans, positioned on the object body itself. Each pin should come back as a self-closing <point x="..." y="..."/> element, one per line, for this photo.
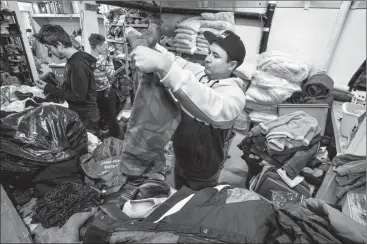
<point x="106" y="100"/>
<point x="180" y="180"/>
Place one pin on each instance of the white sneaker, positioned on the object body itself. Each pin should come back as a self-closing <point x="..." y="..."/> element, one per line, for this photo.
<point x="139" y="209"/>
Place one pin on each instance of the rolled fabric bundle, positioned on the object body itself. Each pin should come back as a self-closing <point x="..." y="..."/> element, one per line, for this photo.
<point x="192" y="23"/>
<point x="223" y="16"/>
<point x="186" y="36"/>
<point x="218" y="25"/>
<point x="283" y="65"/>
<point x="185" y="31"/>
<point x="214" y="31"/>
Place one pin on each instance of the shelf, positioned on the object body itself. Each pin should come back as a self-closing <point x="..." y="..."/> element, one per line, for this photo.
<point x="11" y="35"/>
<point x="7" y="13"/>
<point x="100" y="16"/>
<point x="115" y="41"/>
<point x="130" y="25"/>
<point x="11" y="55"/>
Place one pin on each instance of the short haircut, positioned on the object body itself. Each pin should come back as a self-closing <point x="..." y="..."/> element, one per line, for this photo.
<point x="96" y="40"/>
<point x="52" y="34"/>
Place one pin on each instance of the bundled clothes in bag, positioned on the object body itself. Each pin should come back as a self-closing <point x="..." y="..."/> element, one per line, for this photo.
<point x="40" y="147"/>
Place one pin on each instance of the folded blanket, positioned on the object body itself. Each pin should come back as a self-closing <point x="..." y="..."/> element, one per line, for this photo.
<point x="203" y="41"/>
<point x="185" y="50"/>
<point x="186" y="36"/>
<point x="185" y="31"/>
<point x="203" y="49"/>
<point x="219" y="25"/>
<point x="192" y="23"/>
<point x="295" y="126"/>
<point x="214" y="31"/>
<point x="185" y="42"/>
<point x="270" y="90"/>
<point x="202" y="45"/>
<point x="283" y="65"/>
<point x="223" y="16"/>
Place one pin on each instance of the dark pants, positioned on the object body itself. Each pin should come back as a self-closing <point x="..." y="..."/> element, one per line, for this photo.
<point x="195" y="184"/>
<point x="108" y="111"/>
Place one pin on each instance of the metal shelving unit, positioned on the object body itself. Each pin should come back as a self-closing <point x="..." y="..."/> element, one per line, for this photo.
<point x="22" y="70"/>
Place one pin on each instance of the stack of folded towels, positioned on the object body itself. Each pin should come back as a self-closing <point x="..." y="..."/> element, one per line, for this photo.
<point x="215" y="23"/>
<point x="187" y="31"/>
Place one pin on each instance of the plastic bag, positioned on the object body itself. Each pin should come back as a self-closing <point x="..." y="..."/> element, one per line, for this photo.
<point x="281" y="198"/>
<point x="39" y="137"/>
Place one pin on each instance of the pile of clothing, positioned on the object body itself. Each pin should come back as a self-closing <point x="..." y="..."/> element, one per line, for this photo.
<point x="187" y="31"/>
<point x="16" y="98"/>
<point x="274" y="78"/>
<point x="290" y="142"/>
<point x="212" y="215"/>
<point x="350" y="173"/>
<point x="215" y="23"/>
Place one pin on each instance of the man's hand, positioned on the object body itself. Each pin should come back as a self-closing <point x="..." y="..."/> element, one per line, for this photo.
<point x="68" y="233"/>
<point x="40" y="83"/>
<point x="148" y="60"/>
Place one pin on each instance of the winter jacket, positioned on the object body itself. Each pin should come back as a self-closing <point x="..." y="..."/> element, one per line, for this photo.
<point x="79" y="88"/>
<point x="209" y="109"/>
<point x="185" y="217"/>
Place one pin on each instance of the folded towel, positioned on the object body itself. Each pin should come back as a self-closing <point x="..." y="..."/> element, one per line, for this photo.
<point x="224" y="16"/>
<point x="185" y="42"/>
<point x="185" y="50"/>
<point x="219" y="25"/>
<point x="192" y="23"/>
<point x="214" y="31"/>
<point x="186" y="36"/>
<point x="185" y="31"/>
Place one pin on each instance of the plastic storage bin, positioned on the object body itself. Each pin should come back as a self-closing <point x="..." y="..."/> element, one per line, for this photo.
<point x="318" y="111"/>
<point x="350" y="112"/>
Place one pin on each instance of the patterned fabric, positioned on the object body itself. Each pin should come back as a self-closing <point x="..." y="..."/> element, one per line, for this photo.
<point x="103" y="73"/>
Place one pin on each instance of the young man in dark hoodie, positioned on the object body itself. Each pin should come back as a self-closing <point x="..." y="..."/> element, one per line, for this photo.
<point x="79" y="87"/>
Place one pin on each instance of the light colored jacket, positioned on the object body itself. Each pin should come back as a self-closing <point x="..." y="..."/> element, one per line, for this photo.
<point x="217" y="103"/>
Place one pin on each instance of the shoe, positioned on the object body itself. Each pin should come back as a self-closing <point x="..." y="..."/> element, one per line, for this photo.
<point x="153" y="188"/>
<point x="126" y="193"/>
<point x="140" y="209"/>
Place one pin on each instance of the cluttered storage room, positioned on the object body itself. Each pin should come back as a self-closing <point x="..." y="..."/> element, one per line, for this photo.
<point x="218" y="121"/>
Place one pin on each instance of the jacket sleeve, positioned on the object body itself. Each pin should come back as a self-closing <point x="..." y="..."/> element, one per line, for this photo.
<point x="79" y="86"/>
<point x="218" y="107"/>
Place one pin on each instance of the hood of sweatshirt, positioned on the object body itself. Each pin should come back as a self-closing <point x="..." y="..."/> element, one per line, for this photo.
<point x="85" y="58"/>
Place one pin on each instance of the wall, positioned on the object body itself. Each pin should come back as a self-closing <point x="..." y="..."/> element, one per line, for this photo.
<point x="301" y="32"/>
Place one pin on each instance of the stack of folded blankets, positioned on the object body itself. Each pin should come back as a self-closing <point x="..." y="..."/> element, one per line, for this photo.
<point x="274" y="77"/>
<point x="187" y="31"/>
<point x="215" y="23"/>
<point x="290" y="142"/>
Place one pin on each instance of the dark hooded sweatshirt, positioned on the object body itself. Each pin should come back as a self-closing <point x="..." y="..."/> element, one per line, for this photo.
<point x="79" y="88"/>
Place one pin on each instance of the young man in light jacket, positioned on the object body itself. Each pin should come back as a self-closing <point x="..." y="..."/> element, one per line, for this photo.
<point x="211" y="98"/>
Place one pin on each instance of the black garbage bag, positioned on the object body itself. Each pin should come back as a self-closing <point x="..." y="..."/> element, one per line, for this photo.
<point x="40" y="147"/>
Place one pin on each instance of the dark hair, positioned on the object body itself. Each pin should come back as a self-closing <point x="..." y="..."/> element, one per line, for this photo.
<point x="229" y="59"/>
<point x="52" y="34"/>
<point x="95" y="40"/>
